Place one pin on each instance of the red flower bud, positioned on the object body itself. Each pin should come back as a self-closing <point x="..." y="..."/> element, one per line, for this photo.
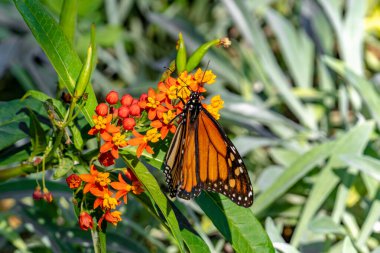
<point x="102" y="109"/>
<point x="123" y="111"/>
<point x="73" y="181"/>
<point x="143" y="97"/>
<point x="129" y="123"/>
<point x="112" y="97"/>
<point x="48" y="197"/>
<point x="106" y="159"/>
<point x="135" y="101"/>
<point x="126" y="100"/>
<point x="85" y="221"/>
<point x="37" y="194"/>
<point x="134" y="110"/>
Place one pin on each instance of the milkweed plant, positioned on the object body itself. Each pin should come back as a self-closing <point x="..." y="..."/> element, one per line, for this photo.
<point x="129" y="135"/>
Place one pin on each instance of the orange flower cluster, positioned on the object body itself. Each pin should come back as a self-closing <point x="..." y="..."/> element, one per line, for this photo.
<point x="99" y="185"/>
<point x="135" y="122"/>
<point x="150" y="118"/>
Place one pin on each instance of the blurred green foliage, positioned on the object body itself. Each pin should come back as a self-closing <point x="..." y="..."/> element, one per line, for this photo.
<point x="302" y="105"/>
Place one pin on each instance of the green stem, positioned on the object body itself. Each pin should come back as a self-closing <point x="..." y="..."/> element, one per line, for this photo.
<point x="99" y="241"/>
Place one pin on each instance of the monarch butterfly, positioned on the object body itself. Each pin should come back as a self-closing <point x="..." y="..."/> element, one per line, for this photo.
<point x="201" y="156"/>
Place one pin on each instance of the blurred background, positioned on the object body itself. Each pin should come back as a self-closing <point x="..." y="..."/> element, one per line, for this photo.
<point x="299" y="73"/>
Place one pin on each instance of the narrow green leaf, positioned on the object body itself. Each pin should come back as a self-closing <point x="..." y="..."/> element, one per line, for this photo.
<point x="296" y="47"/>
<point x="77" y="136"/>
<point x="348" y="247"/>
<point x="292" y="175"/>
<point x="364" y="87"/>
<point x="369" y="222"/>
<point x="325" y="225"/>
<point x="68" y="19"/>
<point x="57" y="48"/>
<point x="179" y="232"/>
<point x="352" y="143"/>
<point x="238" y="225"/>
<point x="254" y="35"/>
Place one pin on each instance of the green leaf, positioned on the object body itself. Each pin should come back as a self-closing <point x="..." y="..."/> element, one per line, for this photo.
<point x="237" y="224"/>
<point x="65" y="165"/>
<point x="14" y="120"/>
<point x="352" y="143"/>
<point x="68" y="19"/>
<point x="58" y="106"/>
<point x="325" y="225"/>
<point x="77" y="136"/>
<point x="348" y="247"/>
<point x="296" y="47"/>
<point x="371" y="219"/>
<point x="180" y="233"/>
<point x="57" y="48"/>
<point x="37" y="135"/>
<point x="252" y="32"/>
<point x="364" y="87"/>
<point x="365" y="164"/>
<point x="295" y="172"/>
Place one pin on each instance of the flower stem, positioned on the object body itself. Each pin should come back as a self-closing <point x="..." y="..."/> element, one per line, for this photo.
<point x="99" y="241"/>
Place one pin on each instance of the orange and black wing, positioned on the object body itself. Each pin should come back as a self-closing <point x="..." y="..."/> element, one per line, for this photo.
<point x="221" y="168"/>
<point x="181" y="162"/>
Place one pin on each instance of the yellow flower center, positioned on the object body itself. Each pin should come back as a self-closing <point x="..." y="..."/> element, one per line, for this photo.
<point x="119" y="139"/>
<point x="109" y="202"/>
<point x="172" y="92"/>
<point x="102" y="179"/>
<point x="100" y="123"/>
<point x="152" y="102"/>
<point x="152" y="135"/>
<point x="167" y="117"/>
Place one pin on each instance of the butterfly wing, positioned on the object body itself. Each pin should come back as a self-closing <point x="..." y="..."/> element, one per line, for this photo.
<point x="221" y="168"/>
<point x="181" y="161"/>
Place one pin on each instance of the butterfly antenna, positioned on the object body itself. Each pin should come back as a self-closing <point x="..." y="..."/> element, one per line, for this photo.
<point x="204" y="73"/>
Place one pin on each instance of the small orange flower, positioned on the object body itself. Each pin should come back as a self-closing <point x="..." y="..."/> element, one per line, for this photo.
<point x="216" y="104"/>
<point x="73" y="181"/>
<point x="204" y="76"/>
<point x="95" y="179"/>
<point x="153" y="103"/>
<point x="111" y="217"/>
<point x="186" y="84"/>
<point x="102" y="125"/>
<point x="169" y="87"/>
<point x="165" y="125"/>
<point x="122" y="188"/>
<point x="141" y="141"/>
<point x="113" y="142"/>
<point x="104" y="199"/>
